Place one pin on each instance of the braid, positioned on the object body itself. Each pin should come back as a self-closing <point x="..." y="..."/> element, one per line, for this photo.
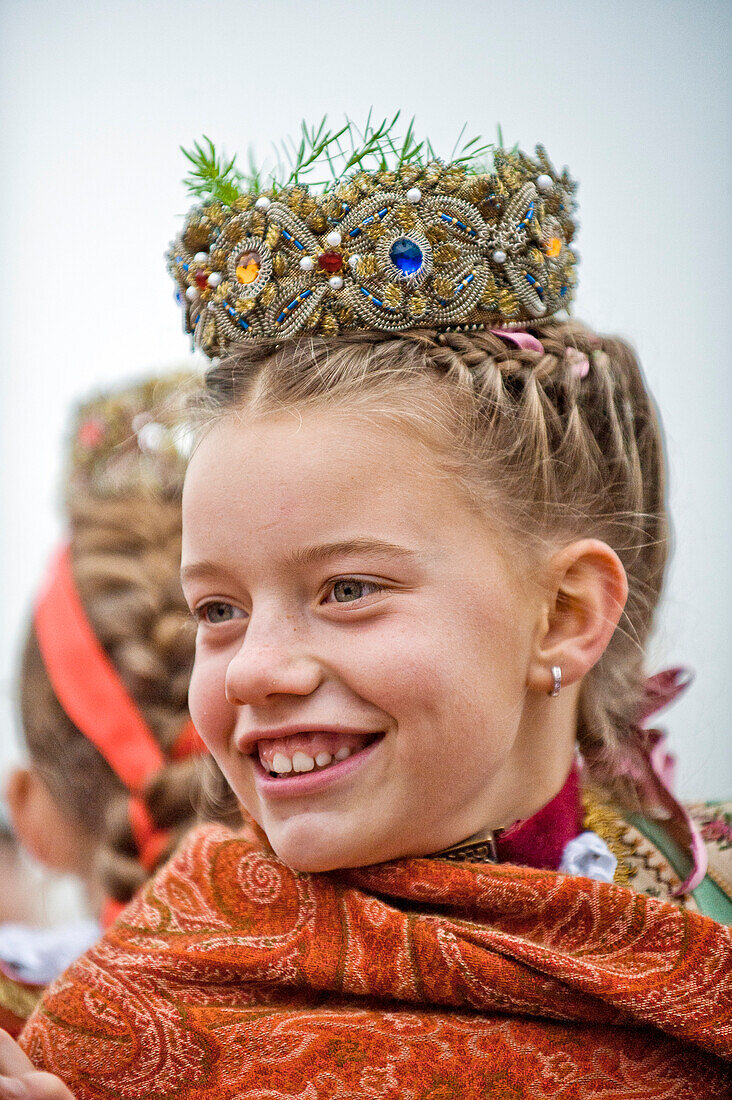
<point x="125" y="557"/>
<point x="563" y="453"/>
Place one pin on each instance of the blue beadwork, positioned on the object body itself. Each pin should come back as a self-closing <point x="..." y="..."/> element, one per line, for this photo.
<point x="529" y="215"/>
<point x="376" y="301"/>
<point x="371" y="297"/>
<point x="406" y="255"/>
<point x="461" y="286"/>
<point x="537" y="286"/>
<point x="236" y="317"/>
<point x="289" y="237"/>
<point x="461" y="225"/>
<point x="291" y="305"/>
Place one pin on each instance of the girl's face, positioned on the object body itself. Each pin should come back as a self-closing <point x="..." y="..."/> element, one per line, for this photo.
<point x="363" y="645"/>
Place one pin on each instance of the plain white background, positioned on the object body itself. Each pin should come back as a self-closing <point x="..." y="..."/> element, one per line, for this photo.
<point x="96" y="98"/>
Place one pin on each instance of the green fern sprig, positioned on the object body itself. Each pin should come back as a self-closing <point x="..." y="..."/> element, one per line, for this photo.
<point x="315" y="143"/>
<point x="212" y="176"/>
<point x="341" y="151"/>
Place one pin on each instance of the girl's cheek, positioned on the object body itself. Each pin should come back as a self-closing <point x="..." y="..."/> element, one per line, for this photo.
<point x="211" y="713"/>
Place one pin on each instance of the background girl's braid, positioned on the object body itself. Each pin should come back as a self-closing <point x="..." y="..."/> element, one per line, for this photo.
<point x="560" y="443"/>
<point x="125" y="557"/>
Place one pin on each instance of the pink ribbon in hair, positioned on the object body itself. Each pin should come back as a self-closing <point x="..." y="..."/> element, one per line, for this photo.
<point x="651" y="766"/>
<point x="521" y="339"/>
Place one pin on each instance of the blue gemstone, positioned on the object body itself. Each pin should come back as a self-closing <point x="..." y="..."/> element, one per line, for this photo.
<point x="406" y="255"/>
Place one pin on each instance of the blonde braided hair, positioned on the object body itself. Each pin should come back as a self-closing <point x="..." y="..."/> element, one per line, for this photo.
<point x="555" y="455"/>
<point x="125" y="559"/>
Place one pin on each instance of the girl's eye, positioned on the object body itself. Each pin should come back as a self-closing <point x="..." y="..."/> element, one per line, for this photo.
<point x="218" y="612"/>
<point x="351" y="589"/>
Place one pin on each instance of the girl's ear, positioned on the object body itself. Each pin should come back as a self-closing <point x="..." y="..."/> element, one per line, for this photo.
<point x="41" y="825"/>
<point x="585" y="596"/>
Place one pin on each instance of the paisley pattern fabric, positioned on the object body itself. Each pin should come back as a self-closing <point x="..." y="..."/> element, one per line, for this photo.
<point x="232" y="976"/>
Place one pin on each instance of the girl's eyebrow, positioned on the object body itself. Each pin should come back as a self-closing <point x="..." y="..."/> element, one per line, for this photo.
<point x="310" y="555"/>
<point x="306" y="555"/>
<point x="204" y="570"/>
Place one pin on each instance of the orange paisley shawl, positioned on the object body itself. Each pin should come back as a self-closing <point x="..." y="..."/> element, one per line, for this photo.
<point x="232" y="977"/>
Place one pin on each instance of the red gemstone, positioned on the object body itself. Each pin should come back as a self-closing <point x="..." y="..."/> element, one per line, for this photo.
<point x="201" y="279"/>
<point x="330" y="262"/>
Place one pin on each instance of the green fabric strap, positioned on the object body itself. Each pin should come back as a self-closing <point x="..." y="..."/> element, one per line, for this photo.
<point x="712" y="900"/>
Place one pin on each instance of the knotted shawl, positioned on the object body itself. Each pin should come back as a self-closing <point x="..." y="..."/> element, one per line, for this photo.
<point x="232" y="977"/>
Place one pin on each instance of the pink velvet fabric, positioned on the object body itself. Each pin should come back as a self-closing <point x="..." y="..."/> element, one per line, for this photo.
<point x="539" y="840"/>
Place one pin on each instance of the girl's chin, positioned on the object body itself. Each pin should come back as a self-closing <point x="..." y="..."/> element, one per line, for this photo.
<point x="316" y="850"/>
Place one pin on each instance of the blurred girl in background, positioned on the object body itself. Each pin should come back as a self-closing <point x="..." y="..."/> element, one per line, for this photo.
<point x="114" y="768"/>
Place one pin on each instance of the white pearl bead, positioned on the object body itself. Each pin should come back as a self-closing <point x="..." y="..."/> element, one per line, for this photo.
<point x="307" y="263"/>
<point x="201" y="257"/>
<point x="151" y="437"/>
<point x="544" y="182"/>
<point x="336" y="282"/>
<point x="414" y="194"/>
<point x="499" y="256"/>
<point x="192" y="293"/>
<point x="215" y="278"/>
<point x="353" y="260"/>
<point x="333" y="239"/>
<point x="263" y="203"/>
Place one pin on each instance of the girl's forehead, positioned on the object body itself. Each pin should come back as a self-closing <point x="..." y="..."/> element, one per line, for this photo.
<point x="324" y="447"/>
<point x="282" y="481"/>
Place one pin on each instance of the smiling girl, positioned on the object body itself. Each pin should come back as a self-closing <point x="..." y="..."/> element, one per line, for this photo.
<point x="351" y="641"/>
<point x="423" y="564"/>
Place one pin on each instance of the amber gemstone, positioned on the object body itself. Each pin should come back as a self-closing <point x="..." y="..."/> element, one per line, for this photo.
<point x="201" y="279"/>
<point x="247" y="267"/>
<point x="553" y="246"/>
<point x="330" y="262"/>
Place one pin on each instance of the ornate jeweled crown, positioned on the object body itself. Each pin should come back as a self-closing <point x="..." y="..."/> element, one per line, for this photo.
<point x="421" y="243"/>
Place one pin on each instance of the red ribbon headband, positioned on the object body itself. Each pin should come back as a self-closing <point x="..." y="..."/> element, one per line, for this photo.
<point x="88" y="687"/>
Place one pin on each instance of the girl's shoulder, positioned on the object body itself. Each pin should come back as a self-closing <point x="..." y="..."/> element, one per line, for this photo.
<point x="651" y="861"/>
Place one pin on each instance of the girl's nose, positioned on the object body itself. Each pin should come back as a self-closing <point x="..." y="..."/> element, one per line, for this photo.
<point x="270" y="663"/>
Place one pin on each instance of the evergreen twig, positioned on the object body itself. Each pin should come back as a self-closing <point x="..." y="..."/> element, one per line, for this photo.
<point x="376" y="148"/>
<point x="212" y="176"/>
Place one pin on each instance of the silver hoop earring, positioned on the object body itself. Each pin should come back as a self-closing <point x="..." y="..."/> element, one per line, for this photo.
<point x="557" y="685"/>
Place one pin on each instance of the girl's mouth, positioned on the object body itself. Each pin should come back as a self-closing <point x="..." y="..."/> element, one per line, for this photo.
<point x="305" y="761"/>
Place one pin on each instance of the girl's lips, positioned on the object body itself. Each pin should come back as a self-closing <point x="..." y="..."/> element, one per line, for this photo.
<point x="304" y="783"/>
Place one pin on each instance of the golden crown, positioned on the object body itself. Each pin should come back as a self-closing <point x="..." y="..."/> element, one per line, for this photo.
<point x="398" y="239"/>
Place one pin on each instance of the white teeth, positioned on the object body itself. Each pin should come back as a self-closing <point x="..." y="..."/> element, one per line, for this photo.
<point x="301" y="762"/>
<point x="281" y="763"/>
